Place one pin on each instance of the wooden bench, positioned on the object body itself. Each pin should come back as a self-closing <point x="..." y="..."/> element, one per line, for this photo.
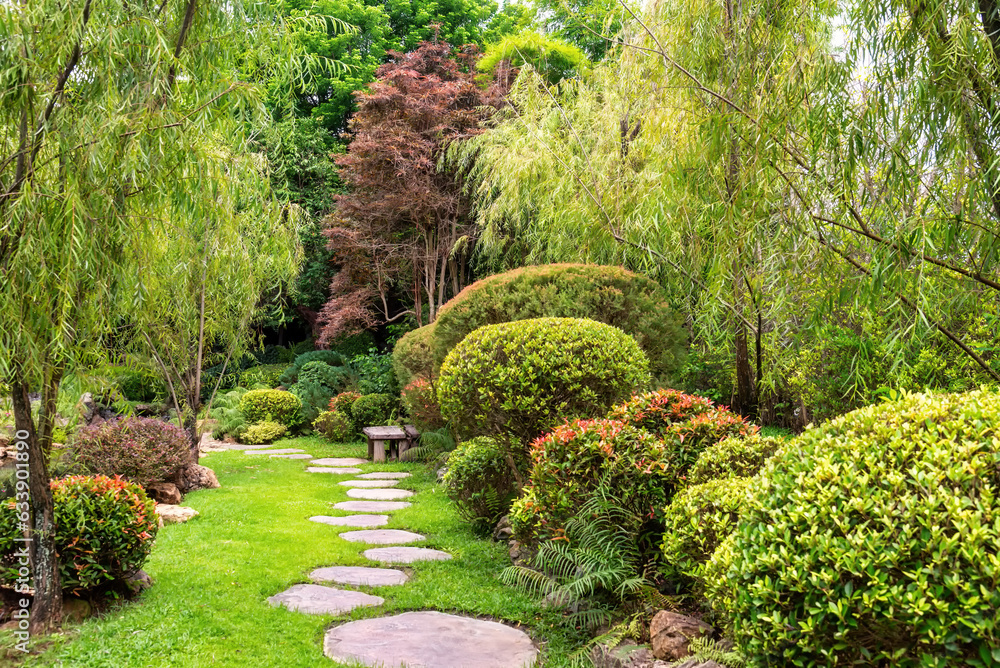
<point x="396" y="439"/>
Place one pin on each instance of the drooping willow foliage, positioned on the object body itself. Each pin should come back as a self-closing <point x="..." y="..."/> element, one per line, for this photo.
<point x="780" y="185"/>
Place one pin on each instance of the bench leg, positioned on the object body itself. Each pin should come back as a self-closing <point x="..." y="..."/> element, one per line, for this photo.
<point x="379" y="451"/>
<point x="393" y="450"/>
<point x="371" y="449"/>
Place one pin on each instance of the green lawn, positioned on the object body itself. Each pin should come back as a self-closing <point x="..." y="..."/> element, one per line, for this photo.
<point x="252" y="540"/>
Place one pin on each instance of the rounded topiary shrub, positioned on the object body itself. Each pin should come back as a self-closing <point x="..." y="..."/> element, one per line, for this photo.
<point x="520" y="379"/>
<point x="480" y="482"/>
<point x="142" y="450"/>
<point x="421" y="404"/>
<point x="413" y="355"/>
<point x="105" y="528"/>
<point x="277" y="405"/>
<point x="266" y="431"/>
<point x="372" y="410"/>
<point x="734" y="457"/>
<point x="872" y="540"/>
<point x="612" y="295"/>
<point x="335" y="426"/>
<point x="697" y="520"/>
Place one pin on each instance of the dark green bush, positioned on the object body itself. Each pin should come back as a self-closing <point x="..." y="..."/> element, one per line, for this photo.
<point x="105" y="528"/>
<point x="335" y="426"/>
<point x="480" y="482"/>
<point x="318" y="383"/>
<point x="356" y="344"/>
<point x="612" y="295"/>
<point x="266" y="374"/>
<point x="521" y="379"/>
<point x="374" y="373"/>
<point x="277" y="405"/>
<point x="140" y="385"/>
<point x="291" y="374"/>
<point x="734" y="457"/>
<point x="372" y="410"/>
<point x="872" y="540"/>
<point x="274" y="355"/>
<point x="413" y="356"/>
<point x="697" y="520"/>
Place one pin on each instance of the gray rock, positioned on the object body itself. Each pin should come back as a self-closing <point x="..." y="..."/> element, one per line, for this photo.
<point x="171" y="514"/>
<point x="278" y="451"/>
<point x="359" y="576"/>
<point x="382" y="537"/>
<point x="429" y="640"/>
<point x="87" y="407"/>
<point x="338" y="461"/>
<point x="352" y="520"/>
<point x="378" y="484"/>
<point x="195" y="476"/>
<point x="164" y="492"/>
<point x="301" y="455"/>
<point x="670" y="633"/>
<point x="385" y="475"/>
<point x="371" y="506"/>
<point x="379" y="494"/>
<point x="139" y="582"/>
<point x="623" y="656"/>
<point x="318" y="600"/>
<point x="334" y="471"/>
<point x="404" y="555"/>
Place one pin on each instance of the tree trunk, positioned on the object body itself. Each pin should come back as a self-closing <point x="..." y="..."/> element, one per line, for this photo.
<point x="745" y="404"/>
<point x="48" y="411"/>
<point x="192" y="404"/>
<point x="46" y="607"/>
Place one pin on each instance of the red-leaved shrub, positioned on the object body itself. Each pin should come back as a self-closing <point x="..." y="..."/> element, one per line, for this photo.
<point x="420" y="401"/>
<point x="142" y="450"/>
<point x="343" y="402"/>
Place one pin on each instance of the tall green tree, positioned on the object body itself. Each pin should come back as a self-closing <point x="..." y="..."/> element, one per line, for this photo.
<point x="105" y="105"/>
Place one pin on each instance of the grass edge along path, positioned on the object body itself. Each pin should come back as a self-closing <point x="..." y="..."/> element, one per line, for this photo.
<point x="212" y="575"/>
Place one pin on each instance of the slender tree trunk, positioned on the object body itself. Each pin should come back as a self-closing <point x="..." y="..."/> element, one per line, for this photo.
<point x="46" y="607"/>
<point x="48" y="410"/>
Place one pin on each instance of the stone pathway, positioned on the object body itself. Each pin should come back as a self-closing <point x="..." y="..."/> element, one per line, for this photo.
<point x="423" y="639"/>
<point x="279" y="451"/>
<point x="295" y="456"/>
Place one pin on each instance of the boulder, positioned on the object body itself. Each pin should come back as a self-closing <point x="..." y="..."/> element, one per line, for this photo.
<point x="171" y="514"/>
<point x="623" y="656"/>
<point x="87" y="407"/>
<point x="195" y="476"/>
<point x="139" y="582"/>
<point x="670" y="633"/>
<point x="503" y="531"/>
<point x="164" y="492"/>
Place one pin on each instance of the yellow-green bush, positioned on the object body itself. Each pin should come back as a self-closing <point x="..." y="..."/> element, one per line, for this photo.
<point x="872" y="540"/>
<point x="277" y="405"/>
<point x="522" y="378"/>
<point x="266" y="431"/>
<point x="734" y="457"/>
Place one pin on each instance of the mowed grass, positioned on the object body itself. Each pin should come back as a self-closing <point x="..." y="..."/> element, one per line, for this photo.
<point x="252" y="540"/>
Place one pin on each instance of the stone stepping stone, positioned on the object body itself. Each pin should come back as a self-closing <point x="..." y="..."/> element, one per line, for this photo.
<point x="352" y="520"/>
<point x="379" y="494"/>
<point x="371" y="506"/>
<point x="279" y="451"/>
<point x="369" y="483"/>
<point x="240" y="446"/>
<point x="404" y="555"/>
<point x="328" y="469"/>
<point x="382" y="537"/>
<point x="384" y="475"/>
<point x="338" y="461"/>
<point x="319" y="600"/>
<point x="429" y="640"/>
<point x="297" y="456"/>
<point x="360" y="576"/>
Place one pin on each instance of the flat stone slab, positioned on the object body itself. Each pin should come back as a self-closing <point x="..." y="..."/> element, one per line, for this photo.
<point x="429" y="640"/>
<point x="352" y="520"/>
<point x="371" y="506"/>
<point x="319" y="600"/>
<point x="385" y="475"/>
<point x="240" y="446"/>
<point x="296" y="456"/>
<point x="338" y="461"/>
<point x="404" y="555"/>
<point x="360" y="576"/>
<point x="382" y="537"/>
<point x="279" y="451"/>
<point x="379" y="494"/>
<point x="171" y="514"/>
<point x="333" y="470"/>
<point x="369" y="483"/>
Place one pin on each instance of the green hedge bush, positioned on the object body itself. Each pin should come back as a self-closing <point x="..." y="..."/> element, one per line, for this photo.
<point x="372" y="410"/>
<point x="335" y="426"/>
<point x="278" y="405"/>
<point x="413" y="355"/>
<point x="266" y="374"/>
<point x="612" y="295"/>
<point x="697" y="520"/>
<point x="480" y="482"/>
<point x="873" y="541"/>
<point x="291" y="374"/>
<point x="140" y="385"/>
<point x="104" y="530"/>
<point x="266" y="431"/>
<point x="734" y="457"/>
<point x="520" y="379"/>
